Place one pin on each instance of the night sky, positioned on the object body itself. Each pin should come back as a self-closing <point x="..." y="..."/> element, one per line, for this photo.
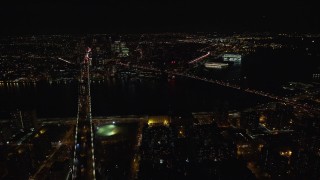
<point x="78" y="16"/>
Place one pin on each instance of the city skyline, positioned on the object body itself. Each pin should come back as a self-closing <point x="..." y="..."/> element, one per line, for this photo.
<point x="161" y="90"/>
<point x="162" y="105"/>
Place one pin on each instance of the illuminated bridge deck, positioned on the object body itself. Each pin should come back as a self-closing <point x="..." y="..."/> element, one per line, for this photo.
<point x="83" y="157"/>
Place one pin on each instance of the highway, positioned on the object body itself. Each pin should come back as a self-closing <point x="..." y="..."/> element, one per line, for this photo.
<point x="83" y="160"/>
<point x="199" y="58"/>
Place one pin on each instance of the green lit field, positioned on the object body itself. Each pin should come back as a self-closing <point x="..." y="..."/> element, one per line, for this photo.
<point x="123" y="130"/>
<point x="108" y="130"/>
<point x="115" y="144"/>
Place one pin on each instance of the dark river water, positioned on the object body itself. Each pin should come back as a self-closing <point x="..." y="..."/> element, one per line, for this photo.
<point x="124" y="97"/>
<point x="265" y="69"/>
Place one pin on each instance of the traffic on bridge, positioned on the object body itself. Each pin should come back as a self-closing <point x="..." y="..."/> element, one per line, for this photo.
<point x="285" y="100"/>
<point x="84" y="161"/>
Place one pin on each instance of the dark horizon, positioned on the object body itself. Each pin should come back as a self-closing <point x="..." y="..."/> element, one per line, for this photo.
<point x="78" y="17"/>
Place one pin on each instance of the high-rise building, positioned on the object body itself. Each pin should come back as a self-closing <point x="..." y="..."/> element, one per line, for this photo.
<point x="119" y="49"/>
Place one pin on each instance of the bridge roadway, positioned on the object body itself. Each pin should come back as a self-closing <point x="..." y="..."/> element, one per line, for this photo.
<point x="84" y="161"/>
<point x="291" y="101"/>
